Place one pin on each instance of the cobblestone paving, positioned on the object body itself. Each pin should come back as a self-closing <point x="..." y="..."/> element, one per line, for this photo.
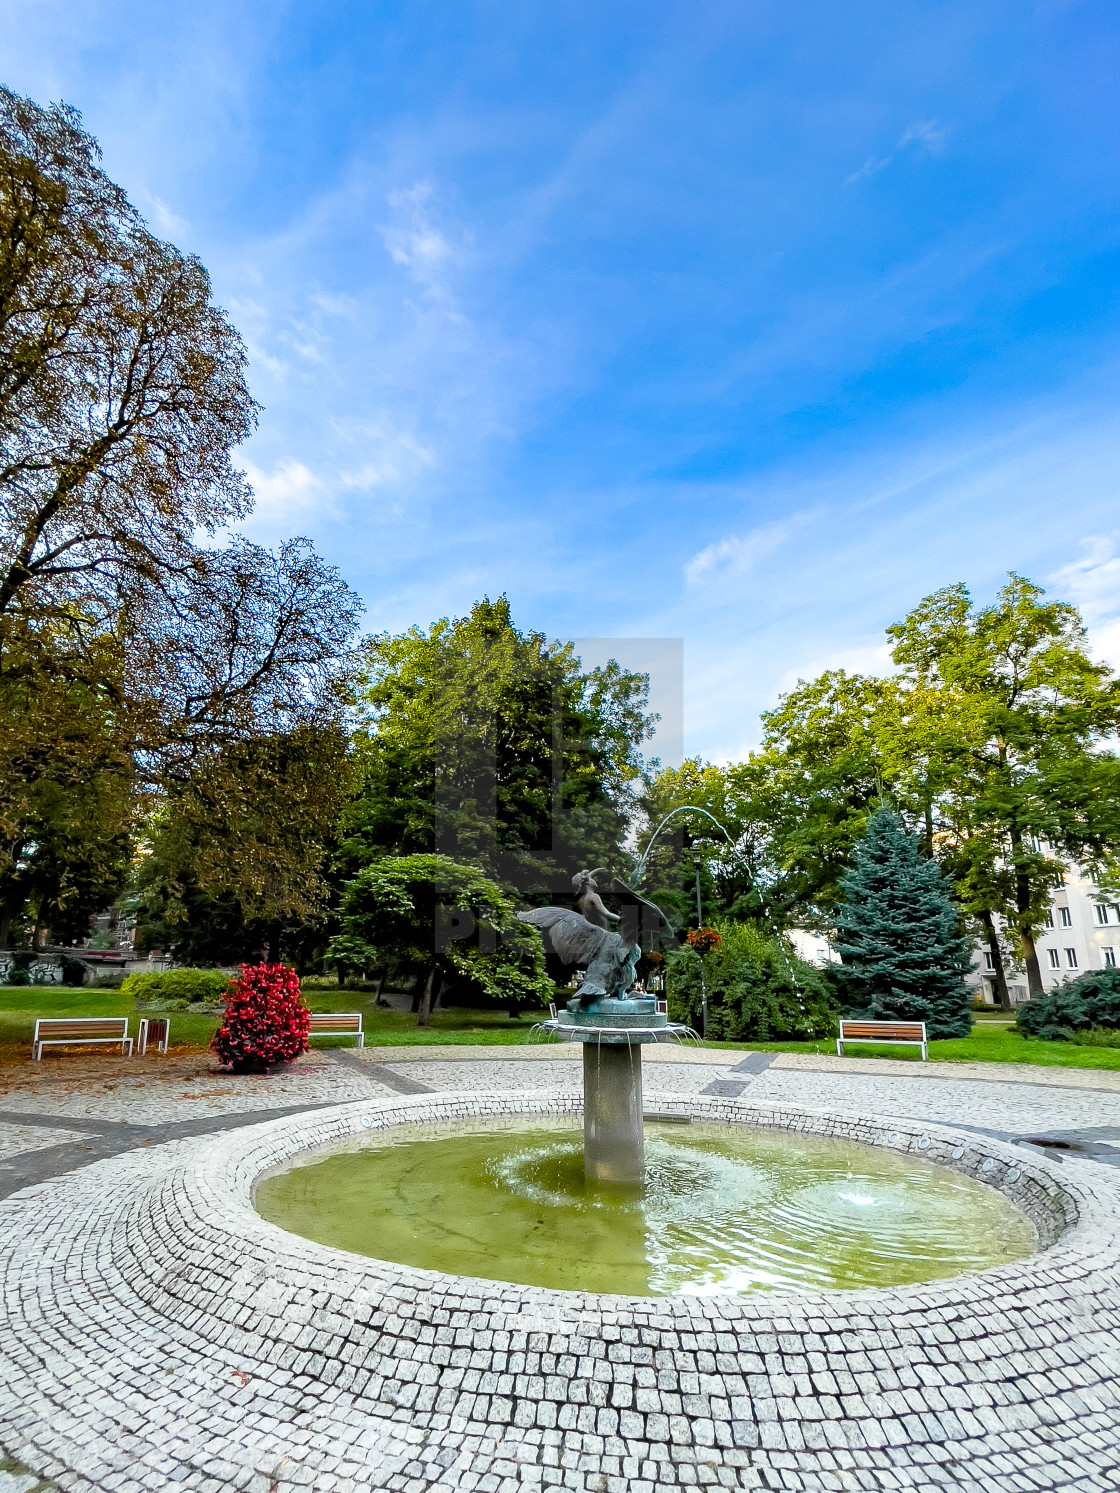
<point x="16" y="1140"/>
<point x="155" y="1091"/>
<point x="1018" y="1108"/>
<point x="160" y="1335"/>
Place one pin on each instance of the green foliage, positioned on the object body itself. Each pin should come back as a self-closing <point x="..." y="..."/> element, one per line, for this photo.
<point x="397" y="909"/>
<point x="898" y="934"/>
<point x="492" y="746"/>
<point x="1071" y="1010"/>
<point x="758" y="989"/>
<point x="1097" y="1036"/>
<point x="227" y="871"/>
<point x="176" y="989"/>
<point x="993" y="739"/>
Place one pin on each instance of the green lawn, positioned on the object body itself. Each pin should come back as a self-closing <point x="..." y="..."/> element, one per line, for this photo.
<point x="20" y="1005"/>
<point x="991" y="1040"/>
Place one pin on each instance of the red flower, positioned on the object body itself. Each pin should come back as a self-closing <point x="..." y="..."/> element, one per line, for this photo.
<point x="266" y="1020"/>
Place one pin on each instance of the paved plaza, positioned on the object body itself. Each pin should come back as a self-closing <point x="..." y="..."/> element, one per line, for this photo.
<point x="158" y="1334"/>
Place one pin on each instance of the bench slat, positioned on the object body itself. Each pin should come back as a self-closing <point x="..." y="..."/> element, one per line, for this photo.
<point x="882" y="1029"/>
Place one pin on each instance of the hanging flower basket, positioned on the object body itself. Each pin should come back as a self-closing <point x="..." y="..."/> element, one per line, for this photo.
<point x="704" y="940"/>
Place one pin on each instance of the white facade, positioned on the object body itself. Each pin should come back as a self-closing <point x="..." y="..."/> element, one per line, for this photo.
<point x="1082" y="933"/>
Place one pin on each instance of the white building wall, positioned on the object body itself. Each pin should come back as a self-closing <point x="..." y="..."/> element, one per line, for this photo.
<point x="1083" y="934"/>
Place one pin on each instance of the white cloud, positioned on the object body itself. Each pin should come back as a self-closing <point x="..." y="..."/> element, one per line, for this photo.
<point x="291" y="494"/>
<point x="415" y="243"/>
<point x="1093" y="582"/>
<point x="737" y="554"/>
<point x="170" y="224"/>
<point x="1093" y="585"/>
<point x="926" y="133"/>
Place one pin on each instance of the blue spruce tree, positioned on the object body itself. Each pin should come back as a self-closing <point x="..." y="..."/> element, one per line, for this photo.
<point x="899" y="935"/>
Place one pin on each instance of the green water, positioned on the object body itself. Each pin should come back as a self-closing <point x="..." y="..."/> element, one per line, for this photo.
<point x="721" y="1210"/>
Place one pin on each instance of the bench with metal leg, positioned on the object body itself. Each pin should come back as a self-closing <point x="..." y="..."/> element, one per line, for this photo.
<point x="338" y="1024"/>
<point x="80" y="1031"/>
<point x="892" y="1033"/>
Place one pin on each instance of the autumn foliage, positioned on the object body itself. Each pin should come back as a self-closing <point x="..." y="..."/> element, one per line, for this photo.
<point x="266" y="1020"/>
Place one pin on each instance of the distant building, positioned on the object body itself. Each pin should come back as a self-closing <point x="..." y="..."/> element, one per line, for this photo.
<point x="1082" y="933"/>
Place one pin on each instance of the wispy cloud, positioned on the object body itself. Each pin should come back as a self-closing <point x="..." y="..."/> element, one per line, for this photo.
<point x="927" y="134"/>
<point x="289" y="496"/>
<point x="1093" y="584"/>
<point x="739" y="553"/>
<point x="416" y="243"/>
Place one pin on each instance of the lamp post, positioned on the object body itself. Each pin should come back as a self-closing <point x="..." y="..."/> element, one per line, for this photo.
<point x="699" y="925"/>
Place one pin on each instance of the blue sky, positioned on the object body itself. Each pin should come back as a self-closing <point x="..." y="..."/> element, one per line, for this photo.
<point x="743" y="323"/>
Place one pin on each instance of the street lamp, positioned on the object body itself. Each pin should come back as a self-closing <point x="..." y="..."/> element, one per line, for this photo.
<point x="699" y="925"/>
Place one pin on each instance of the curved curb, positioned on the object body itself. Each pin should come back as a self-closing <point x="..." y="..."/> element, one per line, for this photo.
<point x="162" y="1333"/>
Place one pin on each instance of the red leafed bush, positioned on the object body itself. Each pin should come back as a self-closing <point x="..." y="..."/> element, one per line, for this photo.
<point x="266" y="1019"/>
<point x="704" y="940"/>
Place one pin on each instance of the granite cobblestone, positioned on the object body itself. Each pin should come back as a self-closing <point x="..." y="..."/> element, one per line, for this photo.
<point x="161" y="1334"/>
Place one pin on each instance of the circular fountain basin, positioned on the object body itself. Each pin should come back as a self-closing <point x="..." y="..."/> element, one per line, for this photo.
<point x="722" y="1210"/>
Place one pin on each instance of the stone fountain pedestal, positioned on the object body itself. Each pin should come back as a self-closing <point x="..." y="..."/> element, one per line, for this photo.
<point x="613" y="1032"/>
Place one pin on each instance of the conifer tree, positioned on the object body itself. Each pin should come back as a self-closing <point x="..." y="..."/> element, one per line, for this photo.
<point x="899" y="936"/>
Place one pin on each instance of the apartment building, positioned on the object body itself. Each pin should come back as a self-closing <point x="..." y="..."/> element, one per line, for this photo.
<point x="1082" y="932"/>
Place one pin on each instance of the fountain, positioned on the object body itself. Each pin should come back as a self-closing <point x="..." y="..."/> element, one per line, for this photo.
<point x="612" y="1025"/>
<point x="741" y="1200"/>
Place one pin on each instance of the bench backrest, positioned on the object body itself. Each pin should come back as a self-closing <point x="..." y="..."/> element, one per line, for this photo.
<point x="349" y="1021"/>
<point x="897" y="1031"/>
<point x="52" y="1028"/>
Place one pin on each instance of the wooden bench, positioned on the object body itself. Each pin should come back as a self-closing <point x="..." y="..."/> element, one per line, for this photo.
<point x="154" y="1029"/>
<point x="80" y="1031"/>
<point x="892" y="1033"/>
<point x="338" y="1024"/>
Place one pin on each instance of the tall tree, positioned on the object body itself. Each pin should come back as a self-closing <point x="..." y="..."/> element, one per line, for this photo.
<point x="492" y="746"/>
<point x="993" y="740"/>
<point x="122" y="399"/>
<point x="898" y="934"/>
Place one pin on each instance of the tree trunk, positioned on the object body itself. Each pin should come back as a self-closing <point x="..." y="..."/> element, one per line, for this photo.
<point x="5" y="926"/>
<point x="426" y="998"/>
<point x="997" y="960"/>
<point x="381" y="974"/>
<point x="1026" y="937"/>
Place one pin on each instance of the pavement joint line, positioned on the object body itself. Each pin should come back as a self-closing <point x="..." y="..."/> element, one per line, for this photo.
<point x="398" y="1082"/>
<point x="117" y="1136"/>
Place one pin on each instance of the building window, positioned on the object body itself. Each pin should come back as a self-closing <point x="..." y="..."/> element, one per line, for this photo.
<point x="1109" y="957"/>
<point x="1049" y="917"/>
<point x="1055" y="960"/>
<point x="1066" y="917"/>
<point x="1102" y="912"/>
<point x="1071" y="958"/>
<point x="989" y="962"/>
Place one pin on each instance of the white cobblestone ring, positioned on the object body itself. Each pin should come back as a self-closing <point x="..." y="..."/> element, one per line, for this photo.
<point x="162" y="1335"/>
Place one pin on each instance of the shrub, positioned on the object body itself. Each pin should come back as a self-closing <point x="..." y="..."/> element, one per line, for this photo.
<point x="758" y="989"/>
<point x="1092" y="1000"/>
<point x="1098" y="1036"/>
<point x="266" y="1020"/>
<point x="176" y="989"/>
